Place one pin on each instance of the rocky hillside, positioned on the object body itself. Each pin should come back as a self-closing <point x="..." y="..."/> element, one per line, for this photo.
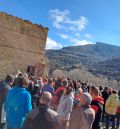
<point x="88" y="56"/>
<point x="108" y="68"/>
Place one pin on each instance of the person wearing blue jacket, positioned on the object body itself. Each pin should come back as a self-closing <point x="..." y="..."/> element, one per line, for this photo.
<point x="48" y="87"/>
<point x="17" y="104"/>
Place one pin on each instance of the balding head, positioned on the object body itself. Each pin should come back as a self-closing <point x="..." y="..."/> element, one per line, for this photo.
<point x="46" y="98"/>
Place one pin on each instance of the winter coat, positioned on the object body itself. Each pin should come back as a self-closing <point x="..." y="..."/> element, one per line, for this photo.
<point x="112" y="104"/>
<point x="17" y="106"/>
<point x="97" y="106"/>
<point x="65" y="106"/>
<point x="118" y="109"/>
<point x="41" y="118"/>
<point x="105" y="96"/>
<point x="4" y="88"/>
<point x="82" y="118"/>
<point x="57" y="95"/>
<point x="48" y="88"/>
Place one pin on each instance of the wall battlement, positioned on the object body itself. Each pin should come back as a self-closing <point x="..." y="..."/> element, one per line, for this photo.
<point x="22" y="26"/>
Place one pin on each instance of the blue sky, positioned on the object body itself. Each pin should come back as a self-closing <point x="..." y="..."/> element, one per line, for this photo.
<point x="71" y="22"/>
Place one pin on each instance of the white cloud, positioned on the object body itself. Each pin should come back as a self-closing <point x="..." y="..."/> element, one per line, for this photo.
<point x="77" y="34"/>
<point x="83" y="42"/>
<point x="58" y="17"/>
<point x="52" y="44"/>
<point x="77" y="24"/>
<point x="63" y="36"/>
<point x="61" y="20"/>
<point x="74" y="40"/>
<point x="87" y="35"/>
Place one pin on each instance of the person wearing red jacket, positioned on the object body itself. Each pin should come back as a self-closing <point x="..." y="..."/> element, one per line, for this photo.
<point x="97" y="105"/>
<point x="118" y="114"/>
<point x="58" y="93"/>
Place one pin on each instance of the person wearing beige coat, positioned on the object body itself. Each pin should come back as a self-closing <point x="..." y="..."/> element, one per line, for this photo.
<point x="111" y="106"/>
<point x="83" y="117"/>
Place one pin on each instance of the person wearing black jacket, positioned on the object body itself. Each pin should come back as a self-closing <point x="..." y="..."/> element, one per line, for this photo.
<point x="97" y="105"/>
<point x="105" y="95"/>
<point x="42" y="117"/>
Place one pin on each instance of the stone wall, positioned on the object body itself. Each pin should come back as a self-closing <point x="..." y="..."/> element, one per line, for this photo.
<point x="21" y="44"/>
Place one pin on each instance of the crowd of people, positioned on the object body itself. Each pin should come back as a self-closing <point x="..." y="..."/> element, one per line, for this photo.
<point x="27" y="102"/>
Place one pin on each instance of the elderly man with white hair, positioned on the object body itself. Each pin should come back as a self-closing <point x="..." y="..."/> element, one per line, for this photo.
<point x="83" y="117"/>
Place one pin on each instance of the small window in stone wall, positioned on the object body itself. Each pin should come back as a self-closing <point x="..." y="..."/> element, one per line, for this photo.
<point x="31" y="70"/>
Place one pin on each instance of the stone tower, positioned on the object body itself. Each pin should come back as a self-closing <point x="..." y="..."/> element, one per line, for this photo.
<point x="22" y="46"/>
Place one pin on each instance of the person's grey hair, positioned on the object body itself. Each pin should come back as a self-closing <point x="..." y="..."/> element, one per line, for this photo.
<point x="87" y="98"/>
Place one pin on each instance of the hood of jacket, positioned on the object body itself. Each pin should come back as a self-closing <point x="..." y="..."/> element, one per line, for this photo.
<point x="114" y="97"/>
<point x="71" y="95"/>
<point x="99" y="99"/>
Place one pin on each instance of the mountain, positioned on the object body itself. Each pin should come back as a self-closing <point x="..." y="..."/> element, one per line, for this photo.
<point x="108" y="68"/>
<point x="87" y="56"/>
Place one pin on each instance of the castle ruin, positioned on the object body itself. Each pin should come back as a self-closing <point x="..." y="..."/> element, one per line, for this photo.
<point x="22" y="46"/>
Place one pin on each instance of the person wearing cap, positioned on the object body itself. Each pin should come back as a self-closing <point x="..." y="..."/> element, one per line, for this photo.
<point x="83" y="117"/>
